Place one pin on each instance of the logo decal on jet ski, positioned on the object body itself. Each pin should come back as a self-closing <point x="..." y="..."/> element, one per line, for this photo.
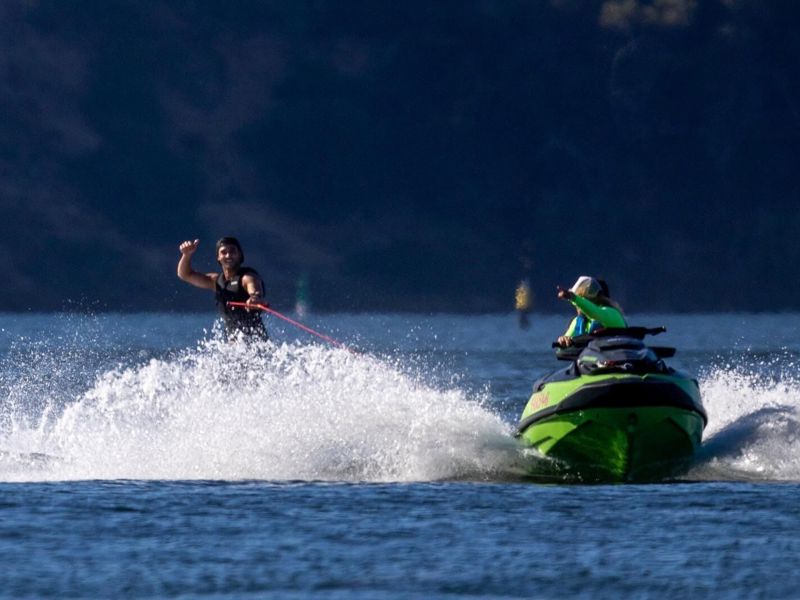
<point x="539" y="401"/>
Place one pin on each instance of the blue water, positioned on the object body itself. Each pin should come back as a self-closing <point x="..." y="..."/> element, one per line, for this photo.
<point x="140" y="457"/>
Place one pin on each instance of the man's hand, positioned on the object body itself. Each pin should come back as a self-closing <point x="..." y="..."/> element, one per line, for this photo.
<point x="564" y="294"/>
<point x="564" y="341"/>
<point x="255" y="300"/>
<point x="188" y="248"/>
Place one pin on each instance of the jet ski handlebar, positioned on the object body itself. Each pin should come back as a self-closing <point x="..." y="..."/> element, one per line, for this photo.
<point x="635" y="332"/>
<point x="581" y="341"/>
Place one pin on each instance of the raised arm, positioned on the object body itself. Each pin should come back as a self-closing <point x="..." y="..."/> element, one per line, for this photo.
<point x="606" y="315"/>
<point x="206" y="281"/>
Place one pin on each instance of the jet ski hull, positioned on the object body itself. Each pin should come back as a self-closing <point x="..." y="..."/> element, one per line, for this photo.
<point x="616" y="427"/>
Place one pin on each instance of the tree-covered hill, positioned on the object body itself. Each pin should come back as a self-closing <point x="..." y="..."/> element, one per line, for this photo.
<point x="405" y="155"/>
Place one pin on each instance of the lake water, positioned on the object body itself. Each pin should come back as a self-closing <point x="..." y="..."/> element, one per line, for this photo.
<point x="141" y="457"/>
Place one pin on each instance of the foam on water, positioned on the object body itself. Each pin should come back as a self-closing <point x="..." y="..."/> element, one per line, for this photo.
<point x="754" y="423"/>
<point x="307" y="412"/>
<point x="232" y="411"/>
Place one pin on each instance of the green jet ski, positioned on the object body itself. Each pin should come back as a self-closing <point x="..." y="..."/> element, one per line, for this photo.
<point x="617" y="412"/>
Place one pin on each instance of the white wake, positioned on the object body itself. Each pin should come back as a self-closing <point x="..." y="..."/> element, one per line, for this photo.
<point x="232" y="411"/>
<point x="754" y="423"/>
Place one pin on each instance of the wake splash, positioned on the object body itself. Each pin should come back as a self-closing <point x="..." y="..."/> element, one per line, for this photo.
<point x="291" y="412"/>
<point x="753" y="433"/>
<point x="232" y="411"/>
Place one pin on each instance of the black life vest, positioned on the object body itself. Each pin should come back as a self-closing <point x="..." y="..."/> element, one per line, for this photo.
<point x="238" y="319"/>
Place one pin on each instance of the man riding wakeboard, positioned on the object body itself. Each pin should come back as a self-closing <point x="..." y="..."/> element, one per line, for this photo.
<point x="236" y="283"/>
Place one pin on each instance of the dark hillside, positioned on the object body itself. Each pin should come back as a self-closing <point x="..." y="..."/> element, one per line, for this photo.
<point x="406" y="155"/>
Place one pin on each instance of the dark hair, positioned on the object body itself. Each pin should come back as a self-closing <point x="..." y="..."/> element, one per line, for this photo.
<point x="604" y="297"/>
<point x="230" y="241"/>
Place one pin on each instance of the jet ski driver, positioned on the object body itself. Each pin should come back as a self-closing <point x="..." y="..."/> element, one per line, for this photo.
<point x="236" y="283"/>
<point x="595" y="308"/>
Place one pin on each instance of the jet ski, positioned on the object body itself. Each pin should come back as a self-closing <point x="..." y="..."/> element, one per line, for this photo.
<point x="617" y="413"/>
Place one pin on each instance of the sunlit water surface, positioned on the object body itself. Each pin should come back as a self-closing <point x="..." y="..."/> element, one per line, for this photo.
<point x="142" y="456"/>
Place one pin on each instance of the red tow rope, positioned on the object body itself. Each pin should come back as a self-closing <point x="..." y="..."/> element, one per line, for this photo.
<point x="267" y="309"/>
